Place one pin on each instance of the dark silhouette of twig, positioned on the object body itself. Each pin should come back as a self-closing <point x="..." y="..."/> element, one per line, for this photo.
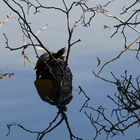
<point x="51" y="127"/>
<point x="127" y="111"/>
<point x="87" y="98"/>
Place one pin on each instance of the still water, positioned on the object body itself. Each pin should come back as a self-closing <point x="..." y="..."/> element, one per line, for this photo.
<point x="19" y="101"/>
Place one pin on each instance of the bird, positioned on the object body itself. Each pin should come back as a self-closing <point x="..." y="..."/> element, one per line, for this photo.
<point x="59" y="53"/>
<point x="53" y="85"/>
<point x="45" y="57"/>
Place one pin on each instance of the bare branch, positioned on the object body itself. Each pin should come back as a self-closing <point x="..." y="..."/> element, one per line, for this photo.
<point x="87" y="98"/>
<point x="119" y="55"/>
<point x="127" y="111"/>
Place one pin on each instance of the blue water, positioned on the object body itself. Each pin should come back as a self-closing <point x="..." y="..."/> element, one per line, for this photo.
<point x="19" y="100"/>
<point x="20" y="103"/>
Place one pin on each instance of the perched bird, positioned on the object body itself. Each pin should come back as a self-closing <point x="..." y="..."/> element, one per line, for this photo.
<point x="45" y="57"/>
<point x="53" y="85"/>
<point x="59" y="53"/>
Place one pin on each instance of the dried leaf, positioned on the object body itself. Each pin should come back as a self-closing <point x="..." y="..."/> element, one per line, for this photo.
<point x="99" y="61"/>
<point x="107" y="27"/>
<point x="25" y="57"/>
<point x="9" y="75"/>
<point x="6" y="19"/>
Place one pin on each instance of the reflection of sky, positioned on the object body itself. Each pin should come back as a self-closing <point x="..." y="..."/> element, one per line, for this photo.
<point x="19" y="101"/>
